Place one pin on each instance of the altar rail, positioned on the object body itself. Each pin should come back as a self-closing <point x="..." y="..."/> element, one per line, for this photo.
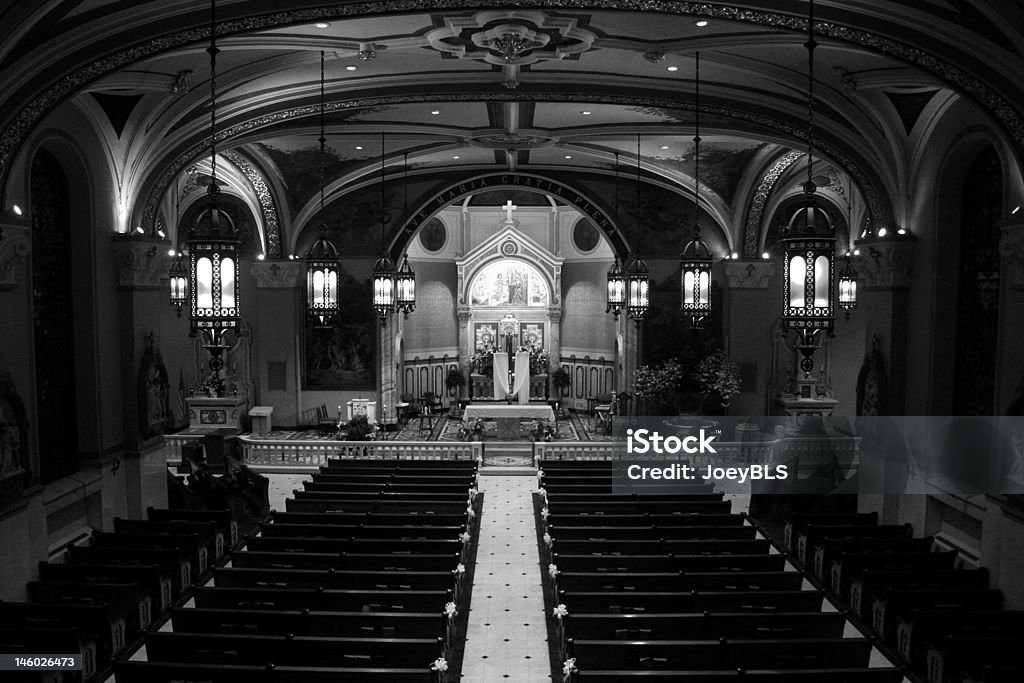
<point x="732" y="452"/>
<point x="314" y="452"/>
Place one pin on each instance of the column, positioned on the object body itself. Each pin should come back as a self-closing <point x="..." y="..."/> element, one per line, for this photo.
<point x="278" y="321"/>
<point x="141" y="266"/>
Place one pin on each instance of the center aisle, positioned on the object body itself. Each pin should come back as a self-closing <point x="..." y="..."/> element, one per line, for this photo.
<point x="506" y="635"/>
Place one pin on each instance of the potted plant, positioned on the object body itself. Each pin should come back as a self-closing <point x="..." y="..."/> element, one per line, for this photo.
<point x="359" y="429"/>
<point x="660" y="386"/>
<point x="455" y="380"/>
<point x="719" y="380"/>
<point x="561" y="380"/>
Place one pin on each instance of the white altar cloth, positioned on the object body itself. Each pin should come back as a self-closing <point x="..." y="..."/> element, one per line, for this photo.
<point x="523" y="412"/>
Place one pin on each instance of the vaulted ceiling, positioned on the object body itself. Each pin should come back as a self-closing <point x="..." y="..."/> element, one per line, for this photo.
<point x="543" y="86"/>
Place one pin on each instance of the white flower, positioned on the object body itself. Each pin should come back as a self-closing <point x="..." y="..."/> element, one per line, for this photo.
<point x="440" y="664"/>
<point x="543" y="513"/>
<point x="470" y="512"/>
<point x="547" y="540"/>
<point x="449" y="610"/>
<point x="569" y="666"/>
<point x="560" y="611"/>
<point x="540" y="474"/>
<point x="460" y="568"/>
<point x="465" y="537"/>
<point x="472" y="493"/>
<point x="553" y="570"/>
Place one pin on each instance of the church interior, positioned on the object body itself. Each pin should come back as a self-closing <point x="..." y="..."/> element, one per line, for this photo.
<point x="324" y="327"/>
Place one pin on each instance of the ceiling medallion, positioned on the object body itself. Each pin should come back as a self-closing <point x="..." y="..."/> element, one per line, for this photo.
<point x="511" y="141"/>
<point x="511" y="37"/>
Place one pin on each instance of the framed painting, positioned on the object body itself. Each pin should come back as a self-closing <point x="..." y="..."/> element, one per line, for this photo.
<point x="344" y="356"/>
<point x="485" y="336"/>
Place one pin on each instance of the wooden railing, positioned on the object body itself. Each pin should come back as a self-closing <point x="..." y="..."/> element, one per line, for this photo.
<point x="727" y="452"/>
<point x="315" y="452"/>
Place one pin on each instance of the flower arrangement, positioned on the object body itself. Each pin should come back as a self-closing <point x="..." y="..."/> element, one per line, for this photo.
<point x="716" y="373"/>
<point x="660" y="384"/>
<point x="212" y="385"/>
<point x="482" y="362"/>
<point x="544" y="431"/>
<point x="472" y="432"/>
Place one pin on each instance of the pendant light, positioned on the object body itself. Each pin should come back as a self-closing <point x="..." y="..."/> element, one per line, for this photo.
<point x="322" y="260"/>
<point x="179" y="283"/>
<point x="213" y="245"/>
<point x="695" y="261"/>
<point x="637" y="275"/>
<point x="848" y="286"/>
<point x="616" y="278"/>
<point x="384" y="269"/>
<point x="809" y="244"/>
<point x="405" y="280"/>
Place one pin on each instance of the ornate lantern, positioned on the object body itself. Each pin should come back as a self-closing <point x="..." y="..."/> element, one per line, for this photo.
<point x="405" y="287"/>
<point x="638" y="286"/>
<point x="179" y="283"/>
<point x="848" y="286"/>
<point x="695" y="261"/>
<point x="322" y="283"/>
<point x="213" y="272"/>
<point x="384" y="288"/>
<point x="809" y="278"/>
<point x="616" y="289"/>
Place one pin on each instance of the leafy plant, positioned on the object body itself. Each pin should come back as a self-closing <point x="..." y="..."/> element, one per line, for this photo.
<point x="359" y="429"/>
<point x="716" y="373"/>
<point x="561" y="379"/>
<point x="660" y="385"/>
<point x="455" y="379"/>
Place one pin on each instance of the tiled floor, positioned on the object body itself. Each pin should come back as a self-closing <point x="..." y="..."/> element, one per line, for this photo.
<point x="282" y="485"/>
<point x="507" y="637"/>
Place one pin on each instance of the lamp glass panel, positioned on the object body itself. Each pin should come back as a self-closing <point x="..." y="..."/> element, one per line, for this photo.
<point x="702" y="288"/>
<point x="797" y="273"/>
<point x="204" y="283"/>
<point x="227" y="283"/>
<point x="688" y="287"/>
<point x="821" y="282"/>
<point x="318" y="287"/>
<point x="332" y="288"/>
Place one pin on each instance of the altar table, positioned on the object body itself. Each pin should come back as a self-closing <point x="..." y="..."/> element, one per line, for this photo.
<point x="508" y="416"/>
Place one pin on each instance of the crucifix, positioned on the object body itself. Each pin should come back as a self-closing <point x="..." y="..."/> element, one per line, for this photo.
<point x="509" y="208"/>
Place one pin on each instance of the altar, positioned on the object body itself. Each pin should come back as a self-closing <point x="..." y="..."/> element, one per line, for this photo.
<point x="508" y="417"/>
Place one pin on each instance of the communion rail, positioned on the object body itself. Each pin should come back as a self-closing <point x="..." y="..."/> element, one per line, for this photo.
<point x="261" y="451"/>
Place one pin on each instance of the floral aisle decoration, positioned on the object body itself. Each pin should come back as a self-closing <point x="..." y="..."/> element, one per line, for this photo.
<point x="718" y="377"/>
<point x="660" y="385"/>
<point x="544" y="431"/>
<point x="473" y="431"/>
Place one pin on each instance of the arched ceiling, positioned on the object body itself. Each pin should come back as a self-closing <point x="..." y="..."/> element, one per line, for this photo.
<point x="582" y="83"/>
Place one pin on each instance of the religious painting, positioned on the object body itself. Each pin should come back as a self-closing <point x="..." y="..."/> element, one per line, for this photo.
<point x="509" y="283"/>
<point x="433" y="235"/>
<point x="155" y="416"/>
<point x="585" y="236"/>
<point x="531" y="335"/>
<point x="343" y="356"/>
<point x="485" y="336"/>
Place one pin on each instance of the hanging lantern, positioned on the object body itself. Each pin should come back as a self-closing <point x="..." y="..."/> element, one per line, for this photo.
<point x="405" y="288"/>
<point x="638" y="285"/>
<point x="616" y="289"/>
<point x="179" y="283"/>
<point x="808" y="278"/>
<point x="384" y="288"/>
<point x="695" y="282"/>
<point x="848" y="286"/>
<point x="322" y="282"/>
<point x="213" y="272"/>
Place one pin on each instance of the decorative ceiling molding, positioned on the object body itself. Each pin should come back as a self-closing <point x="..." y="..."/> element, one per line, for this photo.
<point x="140" y="263"/>
<point x="271" y="221"/>
<point x="521" y="38"/>
<point x="1000" y="107"/>
<point x="748" y="274"/>
<point x="885" y="264"/>
<point x="752" y="231"/>
<point x="836" y="155"/>
<point x="276" y="274"/>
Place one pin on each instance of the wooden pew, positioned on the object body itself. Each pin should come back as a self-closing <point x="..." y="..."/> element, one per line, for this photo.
<point x="678" y="581"/>
<point x="311" y="623"/>
<point x="193" y="547"/>
<point x="337" y="600"/>
<point x="149" y="577"/>
<point x="648" y="533"/>
<point x="64" y="640"/>
<point x="710" y="546"/>
<point x="831" y="675"/>
<point x="124" y="597"/>
<point x="172" y="560"/>
<point x="670" y="563"/>
<point x="829" y="550"/>
<point x="360" y="531"/>
<point x="101" y="623"/>
<point x="896" y="604"/>
<point x="151" y="672"/>
<point x="799" y="520"/>
<point x="958" y="658"/>
<point x="690" y="655"/>
<point x="361" y="561"/>
<point x="814" y="534"/>
<point x="667" y="602"/>
<point x="305" y="544"/>
<point x="370" y="518"/>
<point x="424" y="489"/>
<point x="630" y="515"/>
<point x="917" y="628"/>
<point x="208" y="532"/>
<point x="869" y="582"/>
<point x="232" y="577"/>
<point x="222" y="518"/>
<point x="708" y="626"/>
<point x="326" y="503"/>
